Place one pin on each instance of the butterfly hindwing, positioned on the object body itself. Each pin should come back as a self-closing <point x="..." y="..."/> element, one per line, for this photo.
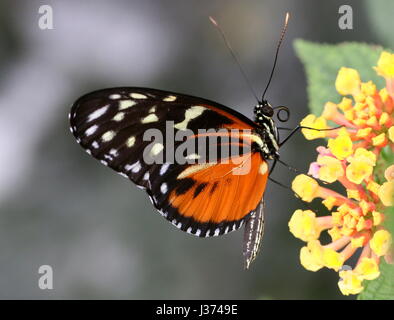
<point x="203" y="199"/>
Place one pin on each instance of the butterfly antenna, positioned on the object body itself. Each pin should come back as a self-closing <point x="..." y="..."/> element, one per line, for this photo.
<point x="216" y="25"/>
<point x="277" y="52"/>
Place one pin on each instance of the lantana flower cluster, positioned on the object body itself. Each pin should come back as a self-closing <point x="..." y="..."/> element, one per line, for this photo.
<point x="365" y="122"/>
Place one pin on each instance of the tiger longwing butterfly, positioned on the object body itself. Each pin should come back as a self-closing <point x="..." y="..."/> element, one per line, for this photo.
<point x="202" y="198"/>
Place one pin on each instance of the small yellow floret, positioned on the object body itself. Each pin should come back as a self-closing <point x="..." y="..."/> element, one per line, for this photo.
<point x="350" y="282"/>
<point x="368" y="269"/>
<point x="312" y="121"/>
<point x="306" y="187"/>
<point x="303" y="225"/>
<point x="348" y="81"/>
<point x="341" y="147"/>
<point x="381" y="242"/>
<point x="385" y="66"/>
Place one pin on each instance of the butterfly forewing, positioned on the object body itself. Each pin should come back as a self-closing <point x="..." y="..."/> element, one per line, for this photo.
<point x="206" y="198"/>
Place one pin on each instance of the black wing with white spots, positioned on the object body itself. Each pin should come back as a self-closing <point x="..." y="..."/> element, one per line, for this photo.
<point x="112" y="124"/>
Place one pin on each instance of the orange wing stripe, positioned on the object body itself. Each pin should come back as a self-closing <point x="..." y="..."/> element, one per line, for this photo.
<point x="234" y="196"/>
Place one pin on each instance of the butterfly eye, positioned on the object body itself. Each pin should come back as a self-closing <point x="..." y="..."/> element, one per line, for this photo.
<point x="267" y="110"/>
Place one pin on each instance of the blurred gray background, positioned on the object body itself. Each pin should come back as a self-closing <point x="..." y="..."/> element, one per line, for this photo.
<point x="60" y="207"/>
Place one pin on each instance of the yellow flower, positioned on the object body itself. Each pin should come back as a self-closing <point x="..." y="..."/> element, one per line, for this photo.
<point x="358" y="170"/>
<point x="350" y="282"/>
<point x="377" y="218"/>
<point x="357" y="242"/>
<point x="329" y="202"/>
<point x="384" y="94"/>
<point x="330" y="168"/>
<point x="311" y="256"/>
<point x="335" y="233"/>
<point x="368" y="269"/>
<point x="312" y="121"/>
<point x="348" y="81"/>
<point x="362" y="133"/>
<point x="373" y="187"/>
<point x="381" y="242"/>
<point x="361" y="165"/>
<point x="379" y="140"/>
<point x="353" y="194"/>
<point x="384" y="117"/>
<point x="345" y="104"/>
<point x="341" y="147"/>
<point x="391" y="133"/>
<point x="330" y="111"/>
<point x="385" y="66"/>
<point x="356" y="219"/>
<point x="368" y="88"/>
<point x="303" y="225"/>
<point x="332" y="259"/>
<point x="386" y="193"/>
<point x="368" y="156"/>
<point x="306" y="187"/>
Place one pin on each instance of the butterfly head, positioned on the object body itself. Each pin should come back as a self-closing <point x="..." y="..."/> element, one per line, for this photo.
<point x="263" y="110"/>
<point x="264" y="113"/>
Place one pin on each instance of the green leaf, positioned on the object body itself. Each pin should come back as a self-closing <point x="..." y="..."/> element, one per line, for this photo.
<point x="322" y="62"/>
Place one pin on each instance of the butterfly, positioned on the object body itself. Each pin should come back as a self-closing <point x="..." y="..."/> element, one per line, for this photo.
<point x="204" y="198"/>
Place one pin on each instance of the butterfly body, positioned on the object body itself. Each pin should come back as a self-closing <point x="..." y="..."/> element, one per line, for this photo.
<point x="199" y="196"/>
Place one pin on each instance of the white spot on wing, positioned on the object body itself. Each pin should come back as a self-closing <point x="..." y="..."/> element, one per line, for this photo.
<point x="98" y="113"/>
<point x="95" y="144"/>
<point x="156" y="149"/>
<point x="130" y="141"/>
<point x="114" y="96"/>
<point x="198" y="232"/>
<point x="195" y="168"/>
<point x="138" y="95"/>
<point x="164" y="168"/>
<point x="170" y="98"/>
<point x="150" y="118"/>
<point x="193" y="156"/>
<point x="191" y="113"/>
<point x="146" y="175"/>
<point x="163" y="188"/>
<point x="91" y="130"/>
<point x="119" y="116"/>
<point x="108" y="136"/>
<point x="124" y="104"/>
<point x="113" y="152"/>
<point x="135" y="167"/>
<point x="263" y="168"/>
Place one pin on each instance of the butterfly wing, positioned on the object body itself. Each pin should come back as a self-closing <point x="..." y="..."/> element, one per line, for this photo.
<point x="204" y="199"/>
